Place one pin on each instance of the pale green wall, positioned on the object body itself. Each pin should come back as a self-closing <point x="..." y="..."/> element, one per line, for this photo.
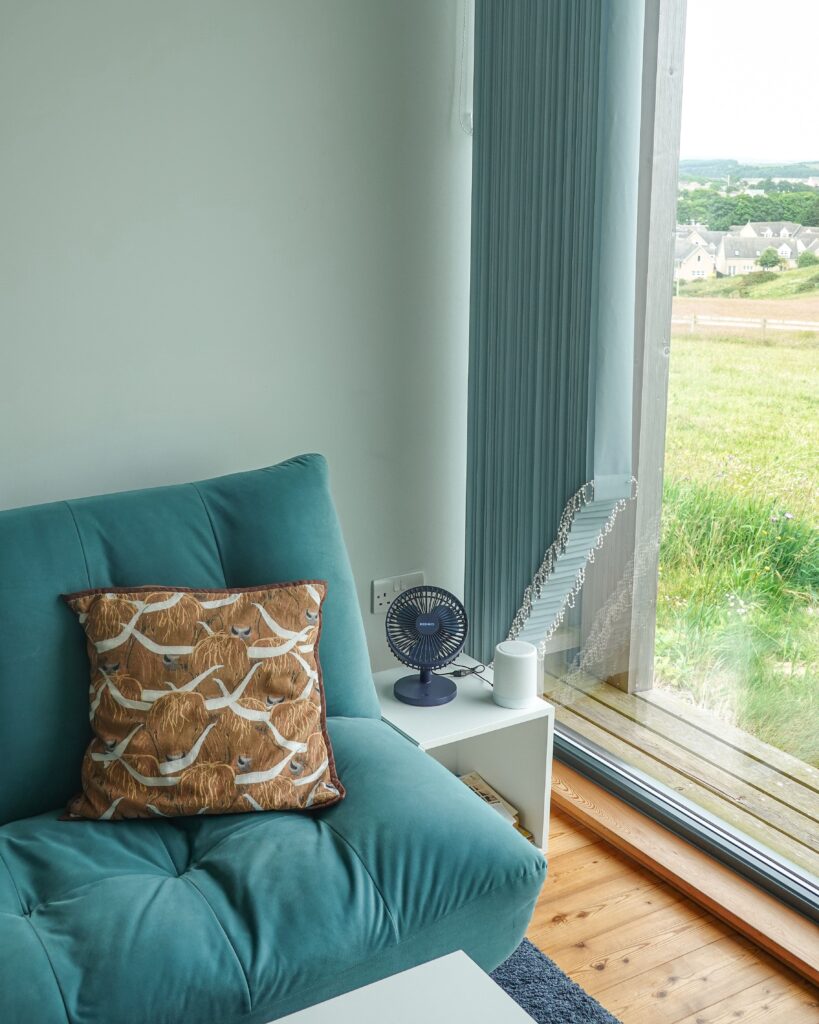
<point x="231" y="232"/>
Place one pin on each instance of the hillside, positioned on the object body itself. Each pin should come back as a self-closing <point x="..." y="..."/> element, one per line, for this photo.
<point x="720" y="170"/>
<point x="796" y="284"/>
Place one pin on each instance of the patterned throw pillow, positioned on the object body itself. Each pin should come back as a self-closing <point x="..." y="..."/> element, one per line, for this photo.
<point x="204" y="702"/>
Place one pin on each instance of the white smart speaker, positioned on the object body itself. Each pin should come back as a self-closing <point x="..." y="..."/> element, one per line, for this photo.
<point x="515" y="678"/>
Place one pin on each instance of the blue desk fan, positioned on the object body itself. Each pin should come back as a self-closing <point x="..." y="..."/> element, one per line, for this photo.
<point x="426" y="629"/>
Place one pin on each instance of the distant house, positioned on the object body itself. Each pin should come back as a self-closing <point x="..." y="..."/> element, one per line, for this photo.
<point x="807" y="238"/>
<point x="692" y="260"/>
<point x="710" y="239"/>
<point x="739" y="254"/>
<point x="684" y="230"/>
<point x="765" y="229"/>
<point x="695" y="251"/>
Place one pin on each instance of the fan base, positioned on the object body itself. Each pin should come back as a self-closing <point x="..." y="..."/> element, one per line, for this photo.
<point x="439" y="690"/>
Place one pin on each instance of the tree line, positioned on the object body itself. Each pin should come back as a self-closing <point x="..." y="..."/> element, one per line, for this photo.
<point x="718" y="212"/>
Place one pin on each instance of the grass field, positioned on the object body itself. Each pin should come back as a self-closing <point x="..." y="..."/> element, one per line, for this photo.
<point x="770" y="285"/>
<point x="738" y="619"/>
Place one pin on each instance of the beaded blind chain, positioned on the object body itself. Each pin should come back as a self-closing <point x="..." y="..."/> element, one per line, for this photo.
<point x="583" y="496"/>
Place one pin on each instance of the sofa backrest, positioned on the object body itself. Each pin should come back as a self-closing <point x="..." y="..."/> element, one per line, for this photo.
<point x="265" y="526"/>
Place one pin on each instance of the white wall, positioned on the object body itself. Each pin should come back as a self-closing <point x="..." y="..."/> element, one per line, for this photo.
<point x="231" y="232"/>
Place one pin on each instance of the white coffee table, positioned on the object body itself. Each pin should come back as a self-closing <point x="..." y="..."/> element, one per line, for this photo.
<point x="511" y="749"/>
<point x="450" y="990"/>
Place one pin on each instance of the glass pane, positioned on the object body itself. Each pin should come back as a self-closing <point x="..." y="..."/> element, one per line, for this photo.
<point x="731" y="717"/>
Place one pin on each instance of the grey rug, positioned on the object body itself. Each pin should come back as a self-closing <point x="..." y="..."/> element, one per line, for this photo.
<point x="545" y="992"/>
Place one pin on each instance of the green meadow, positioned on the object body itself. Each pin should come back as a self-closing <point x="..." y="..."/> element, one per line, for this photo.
<point x="803" y="283"/>
<point x="738" y="617"/>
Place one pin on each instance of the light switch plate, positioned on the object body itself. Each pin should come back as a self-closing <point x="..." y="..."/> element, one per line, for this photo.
<point x="384" y="592"/>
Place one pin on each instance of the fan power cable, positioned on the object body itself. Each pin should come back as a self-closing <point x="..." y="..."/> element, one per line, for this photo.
<point x="459" y="671"/>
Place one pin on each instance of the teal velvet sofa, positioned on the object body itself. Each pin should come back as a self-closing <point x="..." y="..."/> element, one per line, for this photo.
<point x="231" y="919"/>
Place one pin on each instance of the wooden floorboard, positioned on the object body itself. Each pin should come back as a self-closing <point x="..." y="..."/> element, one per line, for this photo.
<point x="571" y="837"/>
<point x="766" y="1002"/>
<point x="775" y="803"/>
<point x="580" y="868"/>
<point x="749" y="910"/>
<point x="646" y="952"/>
<point x="602" y="907"/>
<point x="692" y="982"/>
<point x="634" y="947"/>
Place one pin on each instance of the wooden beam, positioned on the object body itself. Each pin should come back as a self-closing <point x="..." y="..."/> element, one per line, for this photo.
<point x="766" y="921"/>
<point x="726" y="790"/>
<point x="659" y="163"/>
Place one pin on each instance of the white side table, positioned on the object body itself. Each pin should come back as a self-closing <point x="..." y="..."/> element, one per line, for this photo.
<point x="511" y="749"/>
<point x="450" y="990"/>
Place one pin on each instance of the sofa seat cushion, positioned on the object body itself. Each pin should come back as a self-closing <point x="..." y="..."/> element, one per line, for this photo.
<point x="247" y="918"/>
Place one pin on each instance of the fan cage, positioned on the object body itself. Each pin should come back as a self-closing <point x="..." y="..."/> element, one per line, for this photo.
<point x="415" y="649"/>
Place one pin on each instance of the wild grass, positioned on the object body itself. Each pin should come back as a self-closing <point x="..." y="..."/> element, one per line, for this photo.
<point x="801" y="283"/>
<point x="738" y="623"/>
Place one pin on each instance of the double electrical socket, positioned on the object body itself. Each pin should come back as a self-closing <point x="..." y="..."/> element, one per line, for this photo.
<point x="385" y="591"/>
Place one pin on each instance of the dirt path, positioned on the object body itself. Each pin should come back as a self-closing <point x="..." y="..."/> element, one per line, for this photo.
<point x="780" y="309"/>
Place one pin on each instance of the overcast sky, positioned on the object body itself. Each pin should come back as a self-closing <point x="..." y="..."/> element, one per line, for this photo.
<point x="751" y="80"/>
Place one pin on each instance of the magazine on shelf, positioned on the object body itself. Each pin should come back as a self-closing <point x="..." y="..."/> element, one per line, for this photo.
<point x="478" y="784"/>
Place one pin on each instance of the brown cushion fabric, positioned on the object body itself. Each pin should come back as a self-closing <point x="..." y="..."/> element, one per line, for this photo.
<point x="204" y="702"/>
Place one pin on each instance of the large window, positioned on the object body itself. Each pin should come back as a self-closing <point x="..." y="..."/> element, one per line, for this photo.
<point x="721" y="548"/>
<point x="671" y="589"/>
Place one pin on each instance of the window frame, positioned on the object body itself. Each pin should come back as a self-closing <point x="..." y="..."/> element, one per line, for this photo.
<point x="663" y="52"/>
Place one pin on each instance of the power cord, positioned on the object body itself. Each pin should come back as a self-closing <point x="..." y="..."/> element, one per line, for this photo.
<point x="459" y="671"/>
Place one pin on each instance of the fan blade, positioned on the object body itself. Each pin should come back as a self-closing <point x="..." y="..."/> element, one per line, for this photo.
<point x="407" y="613"/>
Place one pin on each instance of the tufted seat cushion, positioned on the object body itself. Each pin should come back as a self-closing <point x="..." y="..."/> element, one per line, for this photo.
<point x="244" y="919"/>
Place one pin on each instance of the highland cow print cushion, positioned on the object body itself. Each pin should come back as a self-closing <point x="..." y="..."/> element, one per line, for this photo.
<point x="204" y="702"/>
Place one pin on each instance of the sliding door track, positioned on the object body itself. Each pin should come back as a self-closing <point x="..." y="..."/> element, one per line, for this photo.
<point x="699" y="827"/>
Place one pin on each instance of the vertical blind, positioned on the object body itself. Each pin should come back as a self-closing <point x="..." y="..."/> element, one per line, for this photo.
<point x="557" y="120"/>
<point x="534" y="207"/>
